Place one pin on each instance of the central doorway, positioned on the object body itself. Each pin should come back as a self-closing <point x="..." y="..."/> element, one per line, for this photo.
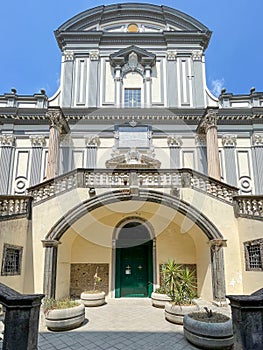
<point x="134" y="261"/>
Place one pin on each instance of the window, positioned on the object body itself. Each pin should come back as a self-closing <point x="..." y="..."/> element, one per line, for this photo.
<point x="12" y="258"/>
<point x="132" y="98"/>
<point x="254" y="255"/>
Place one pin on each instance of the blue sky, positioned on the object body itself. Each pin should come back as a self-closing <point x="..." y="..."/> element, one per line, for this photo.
<point x="30" y="57"/>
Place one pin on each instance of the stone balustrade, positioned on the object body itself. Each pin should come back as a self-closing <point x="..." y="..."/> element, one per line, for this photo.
<point x="126" y="178"/>
<point x="249" y="206"/>
<point x="15" y="206"/>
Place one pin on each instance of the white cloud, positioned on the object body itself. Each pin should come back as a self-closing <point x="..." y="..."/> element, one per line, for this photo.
<point x="217" y="86"/>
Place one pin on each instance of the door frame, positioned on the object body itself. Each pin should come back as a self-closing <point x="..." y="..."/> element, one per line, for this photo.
<point x="152" y="254"/>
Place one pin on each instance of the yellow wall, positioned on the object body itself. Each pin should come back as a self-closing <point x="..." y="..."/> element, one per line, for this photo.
<point x="18" y="232"/>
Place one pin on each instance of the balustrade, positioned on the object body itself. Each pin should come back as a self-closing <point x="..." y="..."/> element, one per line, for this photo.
<point x="15" y="206"/>
<point x="251" y="206"/>
<point x="121" y="178"/>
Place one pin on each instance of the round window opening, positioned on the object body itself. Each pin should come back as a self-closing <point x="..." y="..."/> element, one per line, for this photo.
<point x="133" y="28"/>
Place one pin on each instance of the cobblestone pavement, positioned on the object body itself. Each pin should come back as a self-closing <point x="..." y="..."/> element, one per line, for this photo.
<point x="128" y="324"/>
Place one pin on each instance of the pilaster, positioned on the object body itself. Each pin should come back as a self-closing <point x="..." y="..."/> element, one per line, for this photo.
<point x="7" y="144"/>
<point x="50" y="268"/>
<point x="92" y="143"/>
<point x="229" y="144"/>
<point x="175" y="144"/>
<point x="257" y="156"/>
<point x="218" y="271"/>
<point x="37" y="143"/>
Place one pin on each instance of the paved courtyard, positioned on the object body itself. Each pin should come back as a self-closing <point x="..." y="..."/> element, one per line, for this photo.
<point x="130" y="324"/>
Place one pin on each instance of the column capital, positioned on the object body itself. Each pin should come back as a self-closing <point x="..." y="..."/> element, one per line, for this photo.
<point x="50" y="243"/>
<point x="38" y="141"/>
<point x="171" y="55"/>
<point x="7" y="140"/>
<point x="216" y="244"/>
<point x="57" y="120"/>
<point x="92" y="141"/>
<point x="174" y="141"/>
<point x="229" y="140"/>
<point x="68" y="55"/>
<point x="200" y="140"/>
<point x="257" y="139"/>
<point x="197" y="55"/>
<point x="210" y="119"/>
<point x="94" y="55"/>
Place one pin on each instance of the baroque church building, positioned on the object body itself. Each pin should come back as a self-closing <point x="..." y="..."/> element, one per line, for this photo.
<point x="131" y="163"/>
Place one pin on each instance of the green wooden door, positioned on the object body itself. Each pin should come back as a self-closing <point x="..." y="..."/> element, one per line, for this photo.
<point x="134" y="271"/>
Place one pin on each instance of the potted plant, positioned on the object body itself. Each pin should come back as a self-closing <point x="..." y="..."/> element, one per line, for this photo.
<point x="209" y="330"/>
<point x="181" y="285"/>
<point x="93" y="297"/>
<point x="160" y="297"/>
<point x="63" y="315"/>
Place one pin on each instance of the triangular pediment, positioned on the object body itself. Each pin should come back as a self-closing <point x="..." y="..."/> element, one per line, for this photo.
<point x="122" y="56"/>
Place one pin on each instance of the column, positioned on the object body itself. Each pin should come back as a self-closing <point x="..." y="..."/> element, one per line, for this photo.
<point x="148" y="86"/>
<point x="175" y="144"/>
<point x="92" y="144"/>
<point x="50" y="268"/>
<point x="218" y="271"/>
<point x="57" y="125"/>
<point x="7" y="144"/>
<point x="118" y="86"/>
<point x="37" y="142"/>
<point x="257" y="156"/>
<point x="67" y="78"/>
<point x="200" y="141"/>
<point x="93" y="78"/>
<point x="229" y="144"/>
<point x="209" y="124"/>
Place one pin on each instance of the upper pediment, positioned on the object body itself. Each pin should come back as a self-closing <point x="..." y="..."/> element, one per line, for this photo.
<point x="130" y="55"/>
<point x="134" y="18"/>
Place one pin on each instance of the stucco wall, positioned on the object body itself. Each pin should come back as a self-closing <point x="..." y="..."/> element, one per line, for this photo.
<point x="17" y="232"/>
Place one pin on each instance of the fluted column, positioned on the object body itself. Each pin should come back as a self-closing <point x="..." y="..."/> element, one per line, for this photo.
<point x="118" y="86"/>
<point x="37" y="142"/>
<point x="257" y="156"/>
<point x="210" y="127"/>
<point x="148" y="86"/>
<point x="57" y="125"/>
<point x="175" y="144"/>
<point x="50" y="268"/>
<point x="7" y="144"/>
<point x="229" y="144"/>
<point x="92" y="144"/>
<point x="200" y="141"/>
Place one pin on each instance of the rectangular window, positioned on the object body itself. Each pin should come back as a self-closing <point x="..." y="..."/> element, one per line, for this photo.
<point x="132" y="98"/>
<point x="12" y="258"/>
<point x="254" y="255"/>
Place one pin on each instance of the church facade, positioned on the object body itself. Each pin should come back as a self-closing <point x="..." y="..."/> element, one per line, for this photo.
<point x="131" y="163"/>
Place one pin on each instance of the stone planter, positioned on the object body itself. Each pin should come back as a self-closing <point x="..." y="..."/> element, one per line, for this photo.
<point x="92" y="299"/>
<point x="175" y="313"/>
<point x="65" y="319"/>
<point x="159" y="299"/>
<point x="208" y="335"/>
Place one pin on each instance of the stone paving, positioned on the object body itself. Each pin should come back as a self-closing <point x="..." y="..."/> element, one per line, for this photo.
<point x="121" y="324"/>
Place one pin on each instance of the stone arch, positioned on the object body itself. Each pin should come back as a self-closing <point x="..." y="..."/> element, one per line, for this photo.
<point x="209" y="229"/>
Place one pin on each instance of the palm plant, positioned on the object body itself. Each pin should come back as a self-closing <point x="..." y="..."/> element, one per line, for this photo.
<point x="180" y="282"/>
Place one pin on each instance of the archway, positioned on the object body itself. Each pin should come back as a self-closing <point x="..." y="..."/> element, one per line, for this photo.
<point x="149" y="198"/>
